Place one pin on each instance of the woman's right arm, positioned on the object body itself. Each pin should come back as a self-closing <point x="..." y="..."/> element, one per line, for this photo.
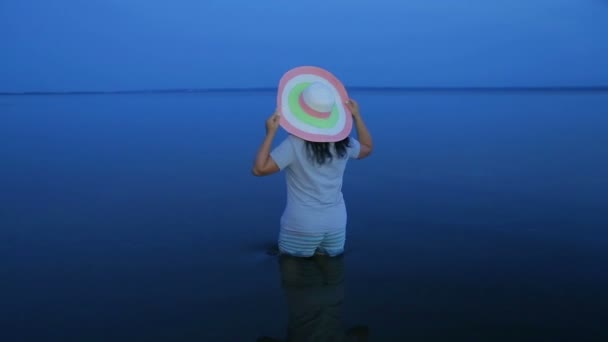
<point x="365" y="139"/>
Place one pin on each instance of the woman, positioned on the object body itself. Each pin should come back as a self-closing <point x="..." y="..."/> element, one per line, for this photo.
<point x="314" y="220"/>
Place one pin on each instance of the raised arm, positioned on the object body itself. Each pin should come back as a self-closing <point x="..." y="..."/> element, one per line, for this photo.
<point x="365" y="139"/>
<point x="264" y="164"/>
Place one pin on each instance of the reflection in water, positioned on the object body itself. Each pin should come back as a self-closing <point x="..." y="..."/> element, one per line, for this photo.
<point x="314" y="290"/>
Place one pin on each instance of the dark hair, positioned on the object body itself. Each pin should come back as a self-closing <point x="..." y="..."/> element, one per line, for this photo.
<point x="320" y="152"/>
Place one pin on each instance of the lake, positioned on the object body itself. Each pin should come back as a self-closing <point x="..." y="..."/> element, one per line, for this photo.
<point x="481" y="216"/>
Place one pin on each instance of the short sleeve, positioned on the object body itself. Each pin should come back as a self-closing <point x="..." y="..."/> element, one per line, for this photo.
<point x="354" y="149"/>
<point x="283" y="154"/>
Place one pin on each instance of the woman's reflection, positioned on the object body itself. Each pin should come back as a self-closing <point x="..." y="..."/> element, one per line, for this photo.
<point x="314" y="290"/>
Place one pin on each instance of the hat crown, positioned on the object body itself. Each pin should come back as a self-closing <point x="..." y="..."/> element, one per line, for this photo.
<point x="319" y="97"/>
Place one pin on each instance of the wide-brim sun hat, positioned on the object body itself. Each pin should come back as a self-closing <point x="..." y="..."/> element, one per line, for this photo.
<point x="311" y="103"/>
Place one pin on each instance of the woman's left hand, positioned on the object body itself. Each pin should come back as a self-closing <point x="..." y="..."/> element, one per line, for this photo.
<point x="272" y="123"/>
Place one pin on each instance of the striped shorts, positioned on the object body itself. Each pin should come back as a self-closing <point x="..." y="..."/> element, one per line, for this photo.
<point x="307" y="244"/>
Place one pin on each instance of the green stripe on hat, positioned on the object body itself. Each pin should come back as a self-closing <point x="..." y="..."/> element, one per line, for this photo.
<point x="300" y="114"/>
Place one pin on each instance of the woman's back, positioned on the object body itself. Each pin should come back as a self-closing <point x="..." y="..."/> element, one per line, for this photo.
<point x="314" y="184"/>
<point x="314" y="189"/>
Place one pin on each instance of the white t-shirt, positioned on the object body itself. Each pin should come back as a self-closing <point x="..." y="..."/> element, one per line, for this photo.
<point x="314" y="192"/>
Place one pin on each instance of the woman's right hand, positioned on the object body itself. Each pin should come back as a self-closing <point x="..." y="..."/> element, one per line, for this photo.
<point x="353" y="106"/>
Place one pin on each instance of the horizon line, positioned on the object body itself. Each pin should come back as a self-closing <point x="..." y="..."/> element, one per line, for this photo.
<point x="353" y="88"/>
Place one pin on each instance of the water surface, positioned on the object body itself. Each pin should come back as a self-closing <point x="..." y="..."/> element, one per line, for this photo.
<point x="480" y="217"/>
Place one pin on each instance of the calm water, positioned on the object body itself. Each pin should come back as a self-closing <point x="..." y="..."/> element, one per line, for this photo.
<point x="480" y="217"/>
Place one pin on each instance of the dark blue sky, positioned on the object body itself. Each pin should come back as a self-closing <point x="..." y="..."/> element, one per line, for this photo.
<point x="116" y="44"/>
